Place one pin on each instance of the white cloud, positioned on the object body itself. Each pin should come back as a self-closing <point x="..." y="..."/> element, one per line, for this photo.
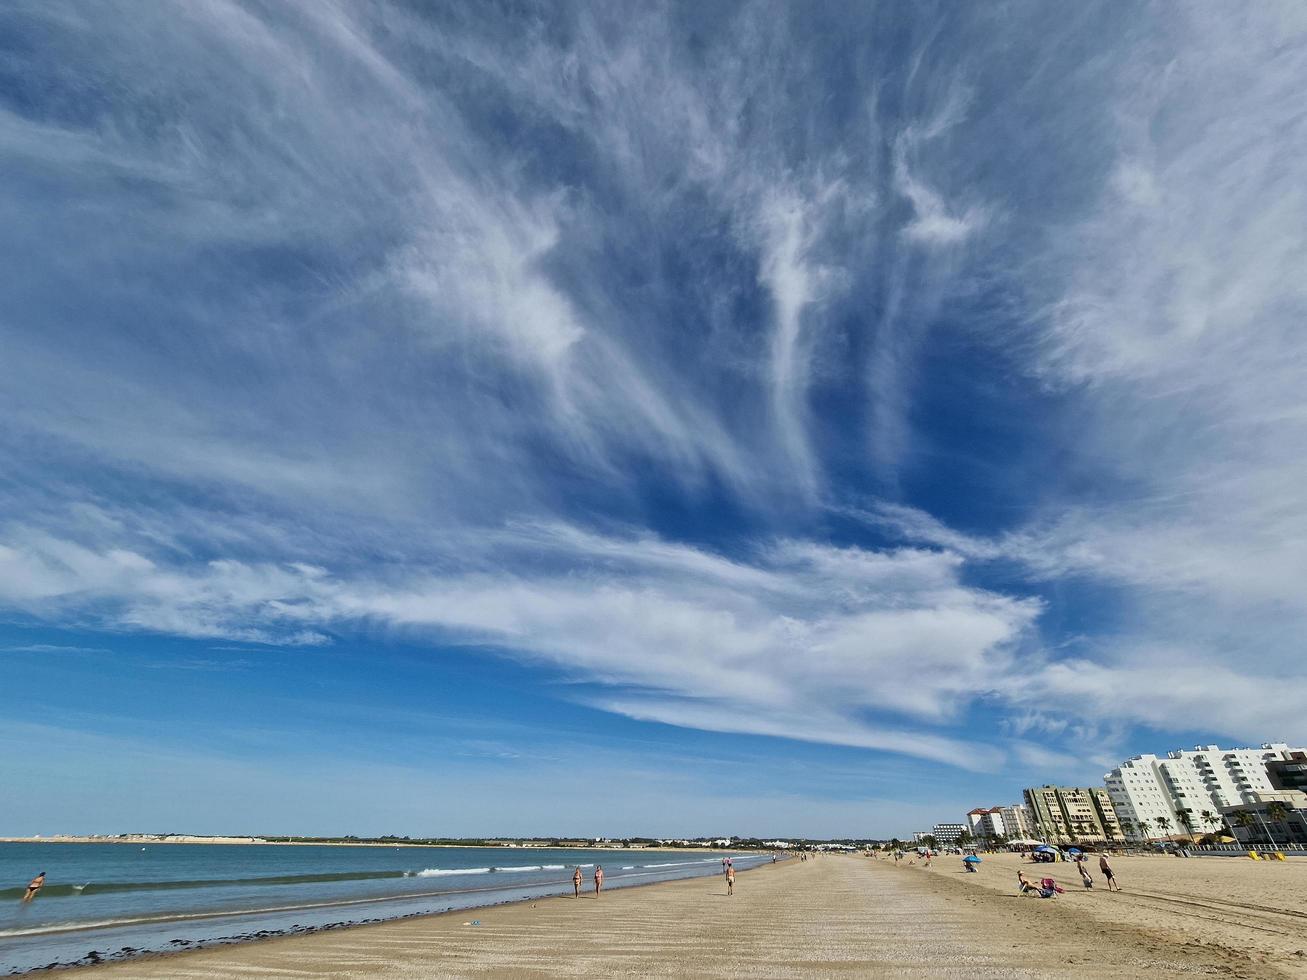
<point x="838" y="645"/>
<point x="934" y="222"/>
<point x="286" y="296"/>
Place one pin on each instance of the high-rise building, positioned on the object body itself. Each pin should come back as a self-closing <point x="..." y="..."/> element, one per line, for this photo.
<point x="1018" y="824"/>
<point x="1289" y="773"/>
<point x="1009" y="822"/>
<point x="986" y="823"/>
<point x="1073" y="813"/>
<point x="947" y="834"/>
<point x="1186" y="791"/>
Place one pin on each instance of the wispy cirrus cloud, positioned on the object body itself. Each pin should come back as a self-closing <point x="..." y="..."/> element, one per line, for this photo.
<point x="803" y="641"/>
<point x="567" y="336"/>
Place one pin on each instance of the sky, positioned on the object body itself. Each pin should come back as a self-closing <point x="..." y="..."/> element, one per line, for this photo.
<point x="659" y="419"/>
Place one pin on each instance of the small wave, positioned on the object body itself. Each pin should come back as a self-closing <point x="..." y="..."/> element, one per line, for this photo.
<point x="679" y="864"/>
<point x="442" y="872"/>
<point x="58" y="889"/>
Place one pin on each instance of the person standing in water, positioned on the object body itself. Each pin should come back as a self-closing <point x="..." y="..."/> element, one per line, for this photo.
<point x="730" y="880"/>
<point x="576" y="882"/>
<point x="599" y="880"/>
<point x="34" y="886"/>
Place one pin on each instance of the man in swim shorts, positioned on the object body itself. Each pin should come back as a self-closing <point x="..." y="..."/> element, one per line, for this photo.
<point x="1106" y="868"/>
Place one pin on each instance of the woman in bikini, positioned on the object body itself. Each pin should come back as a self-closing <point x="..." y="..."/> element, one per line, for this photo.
<point x="34" y="886"/>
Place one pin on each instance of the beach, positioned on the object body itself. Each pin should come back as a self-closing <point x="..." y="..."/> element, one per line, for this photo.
<point x="844" y="916"/>
<point x="1256" y="909"/>
<point x="111" y="901"/>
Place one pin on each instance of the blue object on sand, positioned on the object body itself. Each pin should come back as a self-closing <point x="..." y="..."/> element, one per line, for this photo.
<point x="971" y="859"/>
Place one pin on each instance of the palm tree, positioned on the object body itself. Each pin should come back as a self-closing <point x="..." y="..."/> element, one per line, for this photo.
<point x="1185" y="816"/>
<point x="1163" y="823"/>
<point x="1127" y="825"/>
<point x="1209" y="818"/>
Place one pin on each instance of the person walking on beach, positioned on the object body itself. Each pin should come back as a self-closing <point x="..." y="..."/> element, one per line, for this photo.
<point x="730" y="880"/>
<point x="576" y="882"/>
<point x="599" y="879"/>
<point x="34" y="886"/>
<point x="1106" y="868"/>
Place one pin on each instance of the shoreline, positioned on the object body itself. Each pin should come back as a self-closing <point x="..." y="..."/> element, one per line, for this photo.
<point x="263" y="842"/>
<point x="835" y="916"/>
<point x="273" y="936"/>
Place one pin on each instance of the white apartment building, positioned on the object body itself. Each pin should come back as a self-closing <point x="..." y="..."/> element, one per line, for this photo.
<point x="1018" y="823"/>
<point x="987" y="823"/>
<point x="1147" y="788"/>
<point x="948" y="834"/>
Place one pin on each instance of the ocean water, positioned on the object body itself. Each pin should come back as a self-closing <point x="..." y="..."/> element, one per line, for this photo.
<point x="122" y="899"/>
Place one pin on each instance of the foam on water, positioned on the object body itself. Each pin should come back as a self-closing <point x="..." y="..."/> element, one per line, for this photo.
<point x="107" y="897"/>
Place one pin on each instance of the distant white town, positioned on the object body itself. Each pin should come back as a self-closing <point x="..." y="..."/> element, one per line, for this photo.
<point x="1207" y="796"/>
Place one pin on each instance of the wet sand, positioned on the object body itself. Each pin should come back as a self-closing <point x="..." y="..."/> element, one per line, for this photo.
<point x="833" y="916"/>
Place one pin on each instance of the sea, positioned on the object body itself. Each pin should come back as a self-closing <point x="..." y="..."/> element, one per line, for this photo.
<point x="106" y="901"/>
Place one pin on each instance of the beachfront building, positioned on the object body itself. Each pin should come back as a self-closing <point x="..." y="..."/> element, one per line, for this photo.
<point x="948" y="834"/>
<point x="986" y="823"/>
<point x="1185" y="792"/>
<point x="1140" y="799"/>
<point x="1018" y="824"/>
<point x="1289" y="773"/>
<point x="1007" y="822"/>
<point x="1073" y="813"/>
<point x="1277" y="820"/>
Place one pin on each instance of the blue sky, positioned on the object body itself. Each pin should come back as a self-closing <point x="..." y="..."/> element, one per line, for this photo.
<point x="660" y="419"/>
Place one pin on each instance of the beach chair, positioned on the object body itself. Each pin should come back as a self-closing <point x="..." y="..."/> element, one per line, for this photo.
<point x="1051" y="886"/>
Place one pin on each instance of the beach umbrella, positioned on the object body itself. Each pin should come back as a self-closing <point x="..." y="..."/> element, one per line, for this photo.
<point x="971" y="859"/>
<point x="1045" y="847"/>
<point x="1075" y="850"/>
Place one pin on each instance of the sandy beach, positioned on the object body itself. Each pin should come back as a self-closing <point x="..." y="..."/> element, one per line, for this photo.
<point x="1241" y="907"/>
<point x="830" y="916"/>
